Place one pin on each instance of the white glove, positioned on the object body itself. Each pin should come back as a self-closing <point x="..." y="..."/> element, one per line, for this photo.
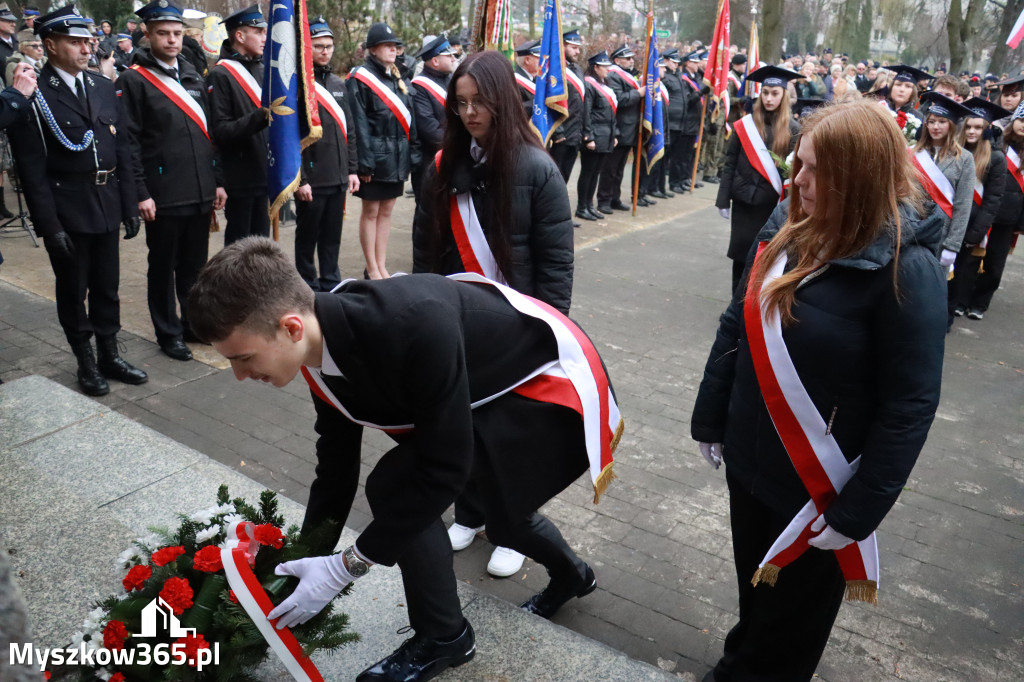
<point x="321" y="578"/>
<point x="724" y="212"/>
<point x="712" y="451"/>
<point x="828" y="538"/>
<point x="947" y="257"/>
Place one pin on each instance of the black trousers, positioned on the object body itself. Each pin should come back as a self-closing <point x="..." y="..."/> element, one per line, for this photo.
<point x="998" y="249"/>
<point x="783" y="629"/>
<point x="565" y="158"/>
<point x="591" y="167"/>
<point x="178" y="247"/>
<point x="318" y="228"/>
<point x="609" y="185"/>
<point x="246" y="217"/>
<point x="680" y="167"/>
<point x="93" y="274"/>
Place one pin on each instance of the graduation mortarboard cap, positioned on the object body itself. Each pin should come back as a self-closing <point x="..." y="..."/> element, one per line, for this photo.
<point x="940" y="105"/>
<point x="161" y="10"/>
<point x="573" y="37"/>
<point x="982" y="108"/>
<point x="250" y="16"/>
<point x="436" y="47"/>
<point x="600" y="59"/>
<point x="528" y="48"/>
<point x="66" y="21"/>
<point x="1011" y="84"/>
<point x="622" y="52"/>
<point x="738" y="59"/>
<point x="318" y="28"/>
<point x="909" y="74"/>
<point x="6" y="14"/>
<point x="773" y="76"/>
<point x="805" y="106"/>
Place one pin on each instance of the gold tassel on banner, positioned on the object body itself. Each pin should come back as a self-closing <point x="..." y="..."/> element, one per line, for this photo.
<point x="768" y="574"/>
<point x="862" y="590"/>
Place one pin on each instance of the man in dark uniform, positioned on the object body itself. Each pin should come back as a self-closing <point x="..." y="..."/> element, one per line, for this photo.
<point x="676" y="113"/>
<point x="429" y="97"/>
<point x="417" y="351"/>
<point x="630" y="96"/>
<point x="76" y="167"/>
<point x="177" y="182"/>
<point x="14" y="104"/>
<point x="681" y="171"/>
<point x="124" y="53"/>
<point x="575" y="130"/>
<point x="527" y="64"/>
<point x="29" y="15"/>
<point x="239" y="123"/>
<point x="8" y="27"/>
<point x="328" y="171"/>
<point x="734" y="86"/>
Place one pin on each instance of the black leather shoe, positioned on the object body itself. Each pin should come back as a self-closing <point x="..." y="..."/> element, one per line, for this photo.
<point x="619" y="206"/>
<point x="89" y="377"/>
<point x="668" y="194"/>
<point x="699" y="184"/>
<point x="583" y="214"/>
<point x="607" y="210"/>
<point x="176" y="348"/>
<point x="547" y="602"/>
<point x="685" y="186"/>
<point x="713" y="179"/>
<point x="659" y="194"/>
<point x="596" y="215"/>
<point x="113" y="365"/>
<point x="642" y="202"/>
<point x="678" y="189"/>
<point x="420" y="659"/>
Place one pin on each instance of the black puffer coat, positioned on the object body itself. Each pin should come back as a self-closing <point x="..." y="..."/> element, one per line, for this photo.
<point x="541" y="227"/>
<point x="1011" y="208"/>
<point x="871" y="361"/>
<point x="385" y="153"/>
<point x="983" y="216"/>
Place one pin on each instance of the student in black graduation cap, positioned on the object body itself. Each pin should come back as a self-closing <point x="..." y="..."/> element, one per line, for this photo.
<point x="751" y="186"/>
<point x="990" y="174"/>
<point x="938" y="153"/>
<point x="1009" y="97"/>
<point x="903" y="90"/>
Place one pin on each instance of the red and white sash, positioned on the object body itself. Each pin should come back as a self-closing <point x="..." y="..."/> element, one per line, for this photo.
<point x="663" y="91"/>
<point x="938" y="186"/>
<point x="576" y="380"/>
<point x="526" y="84"/>
<point x="244" y="79"/>
<point x="325" y="99"/>
<point x="432" y="88"/>
<point x="605" y="92"/>
<point x="386" y="94"/>
<point x="686" y="77"/>
<point x="815" y="455"/>
<point x="734" y="79"/>
<point x="173" y="90"/>
<point x="470" y="239"/>
<point x="979" y="193"/>
<point x="625" y="75"/>
<point x="576" y="81"/>
<point x="238" y="555"/>
<point x="1013" y="165"/>
<point x="757" y="152"/>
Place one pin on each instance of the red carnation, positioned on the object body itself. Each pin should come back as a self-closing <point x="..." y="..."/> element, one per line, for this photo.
<point x="231" y="597"/>
<point x="117" y="677"/>
<point x="166" y="555"/>
<point x="901" y="119"/>
<point x="178" y="595"/>
<point x="136" y="578"/>
<point x="269" y="534"/>
<point x="192" y="644"/>
<point x="208" y="559"/>
<point x="114" y="634"/>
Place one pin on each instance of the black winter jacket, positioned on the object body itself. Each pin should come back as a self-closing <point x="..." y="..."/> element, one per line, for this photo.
<point x="1011" y="208"/>
<point x="603" y="123"/>
<point x="740" y="181"/>
<point x="983" y="216"/>
<point x="385" y="152"/>
<point x="329" y="161"/>
<point x="176" y="163"/>
<point x="630" y="109"/>
<point x="870" y="359"/>
<point x="429" y="113"/>
<point x="239" y="127"/>
<point x="541" y="227"/>
<point x="576" y="128"/>
<point x="692" y="95"/>
<point x="673" y="85"/>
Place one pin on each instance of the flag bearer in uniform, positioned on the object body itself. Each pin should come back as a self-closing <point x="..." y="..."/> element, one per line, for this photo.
<point x="178" y="180"/>
<point x="629" y="94"/>
<point x="693" y="93"/>
<point x="527" y="65"/>
<point x="431" y="360"/>
<point x="328" y="171"/>
<point x="604" y="133"/>
<point x="430" y="94"/>
<point x="239" y="123"/>
<point x="575" y="130"/>
<point x="76" y="168"/>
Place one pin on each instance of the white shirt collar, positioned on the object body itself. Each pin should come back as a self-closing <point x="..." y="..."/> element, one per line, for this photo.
<point x="169" y="65"/>
<point x="476" y="151"/>
<point x="68" y="79"/>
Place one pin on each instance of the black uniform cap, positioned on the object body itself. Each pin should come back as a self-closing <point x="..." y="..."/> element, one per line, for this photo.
<point x="6" y="14"/>
<point x="573" y="37"/>
<point x="738" y="59"/>
<point x="528" y="48"/>
<point x="622" y="52"/>
<point x="600" y="59"/>
<point x="438" y="46"/>
<point x="773" y="76"/>
<point x="943" y="106"/>
<point x="982" y="108"/>
<point x="161" y="10"/>
<point x="250" y="16"/>
<point x="66" y="21"/>
<point x="319" y="28"/>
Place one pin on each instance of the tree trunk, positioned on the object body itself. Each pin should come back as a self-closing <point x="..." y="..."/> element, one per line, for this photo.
<point x="532" y="14"/>
<point x="1010" y="13"/>
<point x="862" y="43"/>
<point x="771" y="31"/>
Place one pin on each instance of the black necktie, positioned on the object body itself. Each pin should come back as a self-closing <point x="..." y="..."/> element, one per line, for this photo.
<point x="174" y="75"/>
<point x="80" y="91"/>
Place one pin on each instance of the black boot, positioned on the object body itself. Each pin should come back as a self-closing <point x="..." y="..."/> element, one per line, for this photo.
<point x="89" y="377"/>
<point x="113" y="365"/>
<point x="546" y="602"/>
<point x="420" y="659"/>
<point x="4" y="213"/>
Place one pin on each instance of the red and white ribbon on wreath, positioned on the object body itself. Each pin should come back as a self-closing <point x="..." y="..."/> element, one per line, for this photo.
<point x="813" y="450"/>
<point x="938" y="186"/>
<point x="238" y="556"/>
<point x="757" y="152"/>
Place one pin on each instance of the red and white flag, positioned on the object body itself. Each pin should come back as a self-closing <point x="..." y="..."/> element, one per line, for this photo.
<point x="1017" y="33"/>
<point x="717" y="73"/>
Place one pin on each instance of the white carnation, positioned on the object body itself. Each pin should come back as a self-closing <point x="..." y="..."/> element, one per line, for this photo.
<point x="208" y="533"/>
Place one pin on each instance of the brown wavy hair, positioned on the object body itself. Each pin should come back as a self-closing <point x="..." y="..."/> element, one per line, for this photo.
<point x="779" y="122"/>
<point x="863" y="174"/>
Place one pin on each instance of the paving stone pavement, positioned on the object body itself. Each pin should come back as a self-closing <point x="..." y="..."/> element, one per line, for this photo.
<point x="649" y="293"/>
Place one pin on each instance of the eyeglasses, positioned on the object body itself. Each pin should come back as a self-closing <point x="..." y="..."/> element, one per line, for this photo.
<point x="323" y="48"/>
<point x="462" y="107"/>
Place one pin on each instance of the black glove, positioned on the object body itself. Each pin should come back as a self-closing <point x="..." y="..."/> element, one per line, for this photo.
<point x="60" y="246"/>
<point x="705" y="90"/>
<point x="131" y="227"/>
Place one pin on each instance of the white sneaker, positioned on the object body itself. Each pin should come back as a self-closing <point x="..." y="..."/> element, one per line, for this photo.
<point x="504" y="562"/>
<point x="462" y="536"/>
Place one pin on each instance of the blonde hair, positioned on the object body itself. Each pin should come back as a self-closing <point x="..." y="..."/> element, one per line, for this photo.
<point x="863" y="174"/>
<point x="982" y="151"/>
<point x="780" y="124"/>
<point x="950" y="145"/>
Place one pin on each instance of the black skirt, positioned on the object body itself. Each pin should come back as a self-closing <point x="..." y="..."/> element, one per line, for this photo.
<point x="380" y="191"/>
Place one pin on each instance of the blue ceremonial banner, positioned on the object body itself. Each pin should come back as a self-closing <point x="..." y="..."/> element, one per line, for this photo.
<point x="551" y="100"/>
<point x="289" y="93"/>
<point x="653" y="106"/>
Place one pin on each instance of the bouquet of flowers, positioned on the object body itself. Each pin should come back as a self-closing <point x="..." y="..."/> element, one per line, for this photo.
<point x="908" y="123"/>
<point x="183" y="572"/>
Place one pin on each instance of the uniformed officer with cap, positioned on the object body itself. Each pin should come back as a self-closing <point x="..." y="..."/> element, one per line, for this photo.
<point x="238" y="124"/>
<point x="8" y="43"/>
<point x="575" y="130"/>
<point x="526" y="68"/>
<point x="77" y="171"/>
<point x="680" y="168"/>
<point x="629" y="94"/>
<point x="428" y="100"/>
<point x="124" y="53"/>
<point x="177" y="181"/>
<point x="329" y="168"/>
<point x="29" y="15"/>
